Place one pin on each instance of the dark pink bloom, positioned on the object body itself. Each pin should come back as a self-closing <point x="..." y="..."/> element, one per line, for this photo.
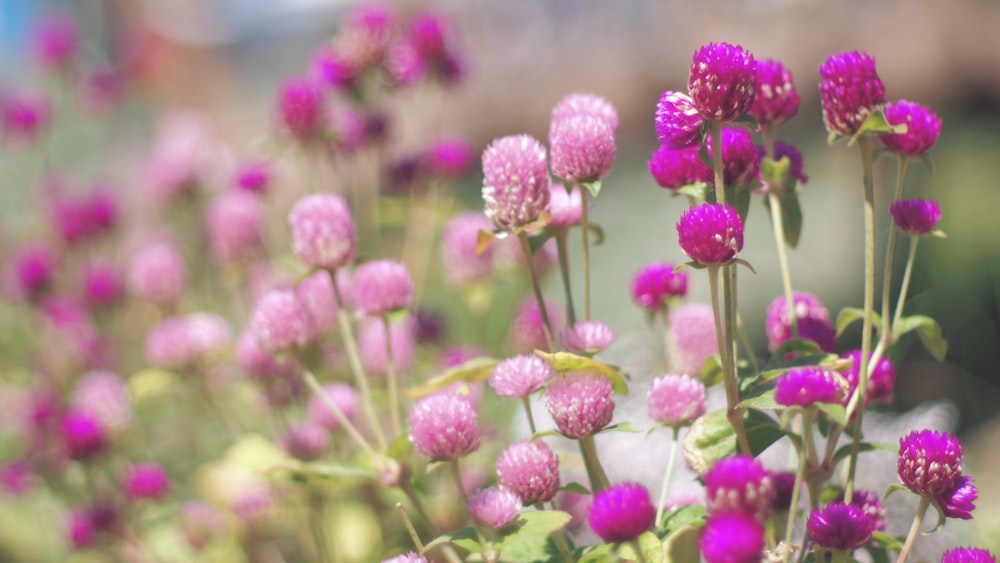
<point x="515" y="181"/>
<point x="33" y="267"/>
<point x="382" y="286"/>
<point x="930" y="463"/>
<point x="676" y="400"/>
<point x="915" y="217"/>
<point x="839" y="526"/>
<point x="621" y="512"/>
<point x="323" y="232"/>
<point x="56" y="41"/>
<point x="444" y="426"/>
<point x="526" y="330"/>
<point x="183" y="341"/>
<point x="968" y="555"/>
<point x="25" y="116"/>
<point x="253" y="176"/>
<point x="580" y="403"/>
<point x="449" y="157"/>
<point x="430" y="33"/>
<point x="586" y="104"/>
<point x="732" y="538"/>
<point x="807" y="386"/>
<point x="673" y="169"/>
<point x="775" y="98"/>
<point x="366" y="34"/>
<point x="711" y="234"/>
<point x="583" y="148"/>
<point x="740" y="163"/>
<point x="16" y="478"/>
<point x="678" y="123"/>
<point x="655" y="284"/>
<point x="333" y="70"/>
<point x="495" y="507"/>
<point x="300" y="104"/>
<point x="722" y="80"/>
<point x="870" y="503"/>
<point x="306" y="440"/>
<point x="923" y="127"/>
<point x="146" y="480"/>
<point x="82" y="532"/>
<point x="881" y="378"/>
<point x="403" y="64"/>
<point x="960" y="501"/>
<point x="784" y="486"/>
<point x="103" y="396"/>
<point x="530" y="469"/>
<point x="157" y="273"/>
<point x="739" y="484"/>
<point x="850" y="90"/>
<point x="812" y="317"/>
<point x="83" y="435"/>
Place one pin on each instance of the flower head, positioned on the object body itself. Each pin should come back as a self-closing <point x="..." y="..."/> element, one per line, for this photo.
<point x="530" y="469"/>
<point x="711" y="233"/>
<point x="520" y="376"/>
<point x="382" y="286"/>
<point x="691" y="337"/>
<point x="527" y="330"/>
<point x="583" y="148"/>
<point x="444" y="426"/>
<point x="317" y="295"/>
<point x="740" y="162"/>
<point x="621" y="512"/>
<point x="25" y="116"/>
<point x="157" y="273"/>
<point x="806" y="386"/>
<point x="586" y="337"/>
<point x="870" y="503"/>
<point x="678" y="123"/>
<point x="306" y="440"/>
<point x="300" y="104"/>
<point x="102" y="283"/>
<point x="849" y="91"/>
<point x="586" y="104"/>
<point x="923" y="127"/>
<point x="408" y="557"/>
<point x="253" y="176"/>
<point x="33" y="268"/>
<point x="103" y="396"/>
<point x="673" y="169"/>
<point x="930" y="463"/>
<point x="342" y="395"/>
<point x="83" y="435"/>
<point x="839" y="526"/>
<point x="811" y="315"/>
<point x="515" y="181"/>
<point x="784" y="487"/>
<point x="581" y="403"/>
<point x="722" y="81"/>
<point x="739" y="484"/>
<point x="775" y="98"/>
<point x="146" y="480"/>
<point x="565" y="206"/>
<point x="915" y="217"/>
<point x="449" y="157"/>
<point x="961" y="500"/>
<point x="460" y="257"/>
<point x="676" y="399"/>
<point x="968" y="555"/>
<point x="282" y="322"/>
<point x="732" y="537"/>
<point x="258" y="363"/>
<point x="495" y="507"/>
<point x="323" y="233"/>
<point x="56" y="41"/>
<point x="182" y="341"/>
<point x="881" y="378"/>
<point x="235" y="222"/>
<point x="655" y="284"/>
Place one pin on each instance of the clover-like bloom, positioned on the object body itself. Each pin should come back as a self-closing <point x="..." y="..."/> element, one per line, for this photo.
<point x="960" y="501"/>
<point x="157" y="273"/>
<point x="520" y="376"/>
<point x="56" y="41"/>
<point x="305" y="440"/>
<point x="775" y="98"/>
<point x="691" y="337"/>
<point x="234" y="224"/>
<point x="382" y="286"/>
<point x="583" y="148"/>
<point x="871" y="504"/>
<point x="182" y="341"/>
<point x="586" y="337"/>
<point x="565" y="206"/>
<point x="968" y="555"/>
<point x="444" y="427"/>
<point x="732" y="537"/>
<point x="678" y="123"/>
<point x="839" y="526"/>
<point x="676" y="400"/>
<point x="807" y="386"/>
<point x="621" y="512"/>
<point x="923" y="127"/>
<point x="83" y="435"/>
<point x="930" y="463"/>
<point x="300" y="104"/>
<point x="740" y="162"/>
<point x="449" y="157"/>
<point x="372" y="345"/>
<point x="655" y="284"/>
<point x="408" y="557"/>
<point x="915" y="217"/>
<point x="711" y="233"/>
<point x="495" y="507"/>
<point x="739" y="484"/>
<point x="530" y="469"/>
<point x="146" y="480"/>
<point x="104" y="396"/>
<point x="812" y="317"/>
<point x="881" y="378"/>
<point x="673" y="169"/>
<point x="581" y="403"/>
<point x="850" y="90"/>
<point x="586" y="104"/>
<point x="722" y="81"/>
<point x="281" y="322"/>
<point x="515" y="181"/>
<point x="102" y="283"/>
<point x="526" y="331"/>
<point x="323" y="233"/>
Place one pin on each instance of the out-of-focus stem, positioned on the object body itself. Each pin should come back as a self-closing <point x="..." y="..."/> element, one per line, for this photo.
<point x="800" y="472"/>
<point x="391" y="381"/>
<point x="342" y="419"/>
<point x="563" y="251"/>
<point x="585" y="228"/>
<point x="598" y="479"/>
<point x="530" y="264"/>
<point x="918" y="519"/>
<point x="786" y="275"/>
<point x="531" y="418"/>
<point x="667" y="476"/>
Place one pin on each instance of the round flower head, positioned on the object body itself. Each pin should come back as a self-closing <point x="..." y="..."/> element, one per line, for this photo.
<point x="581" y="403"/>
<point x="530" y="469"/>
<point x="235" y="222"/>
<point x="870" y="504"/>
<point x="839" y="526"/>
<point x="367" y="32"/>
<point x="157" y="273"/>
<point x="621" y="512"/>
<point x="253" y="176"/>
<point x="960" y="501"/>
<point x="495" y="507"/>
<point x="408" y="557"/>
<point x="382" y="286"/>
<point x="881" y="378"/>
<point x="849" y="91"/>
<point x="968" y="555"/>
<point x="807" y="386"/>
<point x="565" y="206"/>
<point x="146" y="480"/>
<point x="526" y="330"/>
<point x="520" y="376"/>
<point x="586" y="104"/>
<point x="33" y="268"/>
<point x="460" y="258"/>
<point x="103" y="396"/>
<point x="323" y="234"/>
<point x="739" y="484"/>
<point x="812" y="316"/>
<point x="449" y="157"/>
<point x="775" y="98"/>
<point x="691" y="337"/>
<point x="444" y="426"/>
<point x="711" y="233"/>
<point x="583" y="148"/>
<point x="676" y="400"/>
<point x="784" y="486"/>
<point x="56" y="41"/>
<point x="915" y="217"/>
<point x="403" y="65"/>
<point x="722" y="81"/>
<point x="655" y="284"/>
<point x="373" y="350"/>
<point x="673" y="169"/>
<point x="83" y="435"/>
<point x="930" y="463"/>
<point x="316" y="294"/>
<point x="179" y="342"/>
<point x="515" y="181"/>
<point x="257" y="363"/>
<point x="678" y="123"/>
<point x="429" y="33"/>
<point x="795" y="163"/>
<point x="102" y="283"/>
<point x="306" y="440"/>
<point x="25" y="116"/>
<point x="82" y="532"/>
<point x="732" y="538"/>
<point x="342" y="395"/>
<point x="586" y="337"/>
<point x="740" y="163"/>
<point x="923" y="127"/>
<point x="282" y="322"/>
<point x="300" y="103"/>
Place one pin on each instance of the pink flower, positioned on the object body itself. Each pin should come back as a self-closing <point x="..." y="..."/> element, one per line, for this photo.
<point x="930" y="463"/>
<point x="881" y="378"/>
<point x="342" y="395"/>
<point x="775" y="98"/>
<point x="915" y="217"/>
<point x="235" y="221"/>
<point x="812" y="317"/>
<point x="102" y="395"/>
<point x="444" y="427"/>
<point x="449" y="157"/>
<point x="691" y="337"/>
<point x="676" y="400"/>
<point x="740" y="163"/>
<point x="581" y="403"/>
<point x="530" y="469"/>
<point x="520" y="376"/>
<point x="850" y="90"/>
<point x="515" y="181"/>
<point x="253" y="176"/>
<point x="25" y="116"/>
<point x="102" y="283"/>
<point x="372" y="346"/>
<point x="306" y="440"/>
<point x="960" y="501"/>
<point x="586" y="337"/>
<point x="323" y="233"/>
<point x="300" y="104"/>
<point x="56" y="41"/>
<point x="526" y="330"/>
<point x="678" y="122"/>
<point x="711" y="234"/>
<point x="282" y="322"/>
<point x="673" y="169"/>
<point x="565" y="206"/>
<point x="655" y="284"/>
<point x="157" y="273"/>
<point x="841" y="527"/>
<point x="583" y="148"/>
<point x="382" y="286"/>
<point x="807" y="386"/>
<point x="722" y="81"/>
<point x="461" y="261"/>
<point x="83" y="435"/>
<point x="923" y="127"/>
<point x="180" y="342"/>
<point x="495" y="507"/>
<point x="146" y="480"/>
<point x="739" y="484"/>
<point x="621" y="512"/>
<point x="33" y="268"/>
<point x="586" y="104"/>
<point x="732" y="538"/>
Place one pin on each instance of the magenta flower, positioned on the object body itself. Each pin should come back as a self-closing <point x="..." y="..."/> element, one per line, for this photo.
<point x="281" y="322"/>
<point x="583" y="148"/>
<point x="676" y="400"/>
<point x="157" y="273"/>
<point x="253" y="176"/>
<point x="82" y="532"/>
<point x="495" y="507"/>
<point x="342" y="395"/>
<point x="960" y="501"/>
<point x="460" y="259"/>
<point x="323" y="234"/>
<point x="449" y="157"/>
<point x="732" y="538"/>
<point x="444" y="427"/>
<point x="673" y="169"/>
<point x="25" y="116"/>
<point x="784" y="487"/>
<point x="565" y="206"/>
<point x="102" y="283"/>
<point x="33" y="267"/>
<point x="930" y="463"/>
<point x="839" y="526"/>
<point x="722" y="81"/>
<point x="968" y="555"/>
<point x="849" y="91"/>
<point x="813" y="319"/>
<point x="581" y="403"/>
<point x="146" y="480"/>
<point x="103" y="396"/>
<point x="403" y="65"/>
<point x="530" y="469"/>
<point x="915" y="217"/>
<point x="775" y="98"/>
<point x="740" y="163"/>
<point x="235" y="222"/>
<point x="586" y="104"/>
<point x="430" y="34"/>
<point x="520" y="376"/>
<point x="300" y="104"/>
<point x="515" y="181"/>
<point x="655" y="284"/>
<point x="83" y="435"/>
<point x="739" y="484"/>
<point x="691" y="337"/>
<point x="881" y="378"/>
<point x="807" y="386"/>
<point x="306" y="440"/>
<point x="711" y="233"/>
<point x="678" y="123"/>
<point x="621" y="512"/>
<point x="923" y="127"/>
<point x="56" y="41"/>
<point x="871" y="504"/>
<point x="382" y="286"/>
<point x="408" y="557"/>
<point x="586" y="337"/>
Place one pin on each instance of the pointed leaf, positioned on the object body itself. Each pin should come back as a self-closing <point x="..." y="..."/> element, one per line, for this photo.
<point x="565" y="361"/>
<point x="927" y="161"/>
<point x="774" y="173"/>
<point x="892" y="489"/>
<point x="888" y="541"/>
<point x="593" y="187"/>
<point x="797" y="347"/>
<point x="472" y="371"/>
<point x="651" y="546"/>
<point x="484" y="239"/>
<point x="540" y="238"/>
<point x="534" y="524"/>
<point x="791" y="219"/>
<point x="745" y="264"/>
<point x="741" y="201"/>
<point x="460" y="537"/>
<point x="748" y="120"/>
<point x="697" y="190"/>
<point x="837" y="413"/>
<point x="597" y="232"/>
<point x="574" y="487"/>
<point x="711" y="371"/>
<point x="876" y="123"/>
<point x="941" y="518"/>
<point x="680" y="517"/>
<point x="626" y="427"/>
<point x="850" y="315"/>
<point x="762" y="430"/>
<point x="763" y="401"/>
<point x="929" y="332"/>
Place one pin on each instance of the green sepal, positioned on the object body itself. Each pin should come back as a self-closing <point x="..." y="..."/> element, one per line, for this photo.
<point x="836" y="412"/>
<point x="791" y="216"/>
<point x="533" y="524"/>
<point x="574" y="487"/>
<point x="876" y="123"/>
<point x="593" y="187"/>
<point x="711" y="371"/>
<point x="626" y="427"/>
<point x="697" y="190"/>
<point x="887" y="541"/>
<point x="598" y="233"/>
<point x="745" y="264"/>
<point x="892" y="489"/>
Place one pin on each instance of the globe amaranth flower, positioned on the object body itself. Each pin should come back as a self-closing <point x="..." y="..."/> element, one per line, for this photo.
<point x="850" y="90"/>
<point x="565" y="206"/>
<point x="33" y="268"/>
<point x="673" y="169"/>
<point x="146" y="480"/>
<point x="317" y="295"/>
<point x="515" y="181"/>
<point x="408" y="557"/>
<point x="157" y="273"/>
<point x="775" y="98"/>
<point x="812" y="316"/>
<point x="871" y="504"/>
<point x="960" y="501"/>
<point x="343" y="396"/>
<point x="711" y="233"/>
<point x="586" y="104"/>
<point x="655" y="284"/>
<point x="183" y="341"/>
<point x="675" y="400"/>
<point x="526" y="331"/>
<point x="26" y="116"/>
<point x="881" y="378"/>
<point x="739" y="484"/>
<point x="968" y="555"/>
<point x="621" y="512"/>
<point x="732" y="537"/>
<point x="923" y="127"/>
<point x="444" y="427"/>
<point x="915" y="217"/>
<point x="104" y="396"/>
<point x="583" y="148"/>
<point x="586" y="337"/>
<point x="449" y="157"/>
<point x="678" y="123"/>
<point x="495" y="507"/>
<point x="235" y="223"/>
<point x="520" y="376"/>
<point x="930" y="463"/>
<point x="305" y="440"/>
<point x="323" y="232"/>
<point x="253" y="176"/>
<point x="382" y="286"/>
<point x="281" y="321"/>
<point x="784" y="487"/>
<point x="722" y="81"/>
<point x="102" y="283"/>
<point x="83" y="435"/>
<point x="300" y="105"/>
<point x="581" y="403"/>
<point x="56" y="41"/>
<point x="740" y="162"/>
<point x="839" y="526"/>
<point x="530" y="469"/>
<point x="461" y="261"/>
<point x="691" y="337"/>
<point x="807" y="386"/>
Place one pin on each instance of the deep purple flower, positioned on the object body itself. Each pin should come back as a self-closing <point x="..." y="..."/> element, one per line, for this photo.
<point x="586" y="104"/>
<point x="621" y="512"/>
<point x="565" y="206"/>
<point x="146" y="480"/>
<point x="960" y="501"/>
<point x="732" y="538"/>
<point x="673" y="169"/>
<point x="583" y="148"/>
<point x="813" y="320"/>
<point x="722" y="80"/>
<point x="678" y="124"/>
<point x="300" y="103"/>
<point x="881" y="378"/>
<point x="444" y="426"/>
<point x="83" y="435"/>
<point x="676" y="400"/>
<point x="495" y="507"/>
<point x="25" y="116"/>
<point x="968" y="555"/>
<point x="655" y="284"/>
<point x="520" y="376"/>
<point x="430" y="34"/>
<point x="581" y="403"/>
<point x="515" y="181"/>
<point x="323" y="232"/>
<point x="775" y="99"/>
<point x="691" y="337"/>
<point x="870" y="503"/>
<point x="586" y="337"/>
<point x="849" y="91"/>
<point x="530" y="469"/>
<point x="739" y="484"/>
<point x="930" y="463"/>
<point x="923" y="127"/>
<point x="711" y="233"/>
<point x="740" y="163"/>
<point x="915" y="217"/>
<point x="33" y="268"/>
<point x="806" y="386"/>
<point x="839" y="526"/>
<point x="382" y="286"/>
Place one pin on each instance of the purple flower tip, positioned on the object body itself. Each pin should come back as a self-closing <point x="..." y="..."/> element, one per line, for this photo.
<point x="83" y="435"/>
<point x="673" y="169"/>
<point x="722" y="81"/>
<point x="871" y="504"/>
<point x="621" y="512"/>
<point x="711" y="233"/>
<point x="655" y="284"/>
<point x="581" y="403"/>
<point x="740" y="161"/>
<point x="844" y="527"/>
<point x="444" y="426"/>
<point x="146" y="480"/>
<point x="923" y="127"/>
<point x="732" y="538"/>
<point x="678" y="124"/>
<point x="960" y="501"/>
<point x="930" y="463"/>
<point x="808" y="385"/>
<point x="520" y="376"/>
<point x="583" y="148"/>
<point x="812" y="316"/>
<point x="915" y="217"/>
<point x="739" y="484"/>
<point x="775" y="98"/>
<point x="881" y="378"/>
<point x="850" y="90"/>
<point x="968" y="555"/>
<point x="495" y="507"/>
<point x="515" y="181"/>
<point x="676" y="400"/>
<point x="530" y="469"/>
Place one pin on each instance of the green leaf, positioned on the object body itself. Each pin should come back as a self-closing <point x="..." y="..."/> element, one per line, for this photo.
<point x="845" y="450"/>
<point x="544" y="434"/>
<point x="796" y="346"/>
<point x="764" y="401"/>
<point x="460" y="538"/>
<point x="400" y="447"/>
<point x="745" y="264"/>
<point x="649" y="544"/>
<point x="836" y="412"/>
<point x="565" y="361"/>
<point x="850" y="315"/>
<point x="876" y="123"/>
<point x="593" y="187"/>
<point x="539" y="549"/>
<point x="887" y="541"/>
<point x="711" y="371"/>
<point x="680" y="517"/>
<point x="534" y="524"/>
<point x="762" y="430"/>
<point x="697" y="190"/>
<point x="892" y="489"/>
<point x="941" y="518"/>
<point x="774" y="173"/>
<point x="741" y="201"/>
<point x="776" y="368"/>
<point x="539" y="239"/>
<point x="626" y="427"/>
<point x="602" y="553"/>
<point x="598" y="233"/>
<point x="748" y="120"/>
<point x="927" y="161"/>
<point x="574" y="487"/>
<point x="474" y="370"/>
<point x="791" y="218"/>
<point x="681" y="546"/>
<point x="712" y="438"/>
<point x="929" y="332"/>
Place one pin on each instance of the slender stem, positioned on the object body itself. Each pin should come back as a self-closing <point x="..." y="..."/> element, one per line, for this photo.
<point x="531" y="418"/>
<point x="411" y="494"/>
<point x="530" y="264"/>
<point x="786" y="275"/>
<point x="793" y="508"/>
<point x="559" y="538"/>
<point x="890" y="252"/>
<point x="317" y="526"/>
<point x="715" y="134"/>
<point x="563" y="251"/>
<point x="728" y="366"/>
<point x="585" y="229"/>
<point x="745" y="339"/>
<point x="729" y="308"/>
<point x="858" y="400"/>
<point x="409" y="527"/>
<point x="667" y="476"/>
<point x="907" y="273"/>
<point x="391" y="381"/>
<point x="598" y="479"/>
<point x="918" y="519"/>
<point x="457" y="476"/>
<point x="345" y="423"/>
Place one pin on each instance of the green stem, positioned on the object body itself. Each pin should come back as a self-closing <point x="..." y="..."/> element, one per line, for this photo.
<point x="342" y="419"/>
<point x="563" y="251"/>
<point x="598" y="479"/>
<point x="729" y="308"/>
<point x="585" y="228"/>
<point x="456" y="474"/>
<point x="411" y="494"/>
<point x="907" y="273"/>
<point x="745" y="339"/>
<point x="918" y="519"/>
<point x="530" y="264"/>
<point x="391" y="382"/>
<point x="318" y="527"/>
<point x="728" y="366"/>
<point x="409" y="527"/>
<point x="800" y="472"/>
<point x="527" y="410"/>
<point x="666" y="477"/>
<point x="638" y="551"/>
<point x="715" y="135"/>
<point x="786" y="275"/>
<point x="890" y="252"/>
